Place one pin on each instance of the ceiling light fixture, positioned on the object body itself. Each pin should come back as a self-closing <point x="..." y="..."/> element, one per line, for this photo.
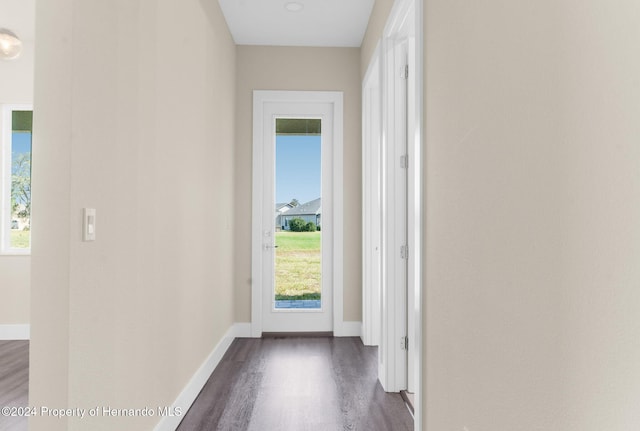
<point x="294" y="6"/>
<point x="10" y="45"/>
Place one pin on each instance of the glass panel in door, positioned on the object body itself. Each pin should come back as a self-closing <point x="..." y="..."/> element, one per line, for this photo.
<point x="298" y="215"/>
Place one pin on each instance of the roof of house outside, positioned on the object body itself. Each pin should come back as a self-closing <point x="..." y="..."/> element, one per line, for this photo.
<point x="311" y="207"/>
<point x="282" y="205"/>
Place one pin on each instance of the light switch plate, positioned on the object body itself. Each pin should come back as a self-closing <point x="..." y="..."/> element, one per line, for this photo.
<point x="89" y="224"/>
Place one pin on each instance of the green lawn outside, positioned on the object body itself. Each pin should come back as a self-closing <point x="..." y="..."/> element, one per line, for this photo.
<point x="298" y="267"/>
<point x="20" y="238"/>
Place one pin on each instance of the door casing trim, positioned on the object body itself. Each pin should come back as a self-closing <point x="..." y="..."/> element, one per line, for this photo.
<point x="260" y="98"/>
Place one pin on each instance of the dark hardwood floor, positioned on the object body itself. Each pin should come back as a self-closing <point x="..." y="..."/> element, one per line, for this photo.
<point x="14" y="382"/>
<point x="270" y="384"/>
<point x="297" y="384"/>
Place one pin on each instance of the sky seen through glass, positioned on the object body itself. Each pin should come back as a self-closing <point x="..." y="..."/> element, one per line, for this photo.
<point x="298" y="168"/>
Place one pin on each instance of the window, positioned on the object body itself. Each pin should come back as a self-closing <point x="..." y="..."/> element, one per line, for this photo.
<point x="15" y="170"/>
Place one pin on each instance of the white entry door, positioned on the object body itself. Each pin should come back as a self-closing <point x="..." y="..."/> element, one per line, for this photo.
<point x="294" y="211"/>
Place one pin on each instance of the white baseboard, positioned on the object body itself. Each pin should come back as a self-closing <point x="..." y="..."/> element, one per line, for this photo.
<point x="242" y="330"/>
<point x="197" y="382"/>
<point x="15" y="332"/>
<point x="349" y="329"/>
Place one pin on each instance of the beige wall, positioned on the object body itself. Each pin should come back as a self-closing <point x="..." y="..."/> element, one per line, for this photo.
<point x="16" y="87"/>
<point x="16" y="76"/>
<point x="288" y="68"/>
<point x="135" y="113"/>
<point x="375" y="29"/>
<point x="532" y="209"/>
<point x="15" y="284"/>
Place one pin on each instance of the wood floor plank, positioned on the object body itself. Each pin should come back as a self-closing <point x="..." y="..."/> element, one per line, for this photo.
<point x="14" y="382"/>
<point x="297" y="384"/>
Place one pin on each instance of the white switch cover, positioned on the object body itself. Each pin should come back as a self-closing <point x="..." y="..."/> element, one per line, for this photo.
<point x="89" y="224"/>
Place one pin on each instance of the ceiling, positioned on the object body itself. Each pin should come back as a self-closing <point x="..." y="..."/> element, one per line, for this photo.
<point x="19" y="17"/>
<point x="335" y="23"/>
<point x="252" y="22"/>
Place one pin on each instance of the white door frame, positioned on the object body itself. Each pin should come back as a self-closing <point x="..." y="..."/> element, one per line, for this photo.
<point x="392" y="370"/>
<point x="416" y="215"/>
<point x="6" y="139"/>
<point x="371" y="201"/>
<point x="405" y="25"/>
<point x="260" y="99"/>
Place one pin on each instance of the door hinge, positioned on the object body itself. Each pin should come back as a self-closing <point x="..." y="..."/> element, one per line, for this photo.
<point x="404" y="161"/>
<point x="404" y="343"/>
<point x="404" y="72"/>
<point x="404" y="252"/>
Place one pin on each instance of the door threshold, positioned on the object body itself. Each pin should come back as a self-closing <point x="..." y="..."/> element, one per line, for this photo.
<point x="328" y="334"/>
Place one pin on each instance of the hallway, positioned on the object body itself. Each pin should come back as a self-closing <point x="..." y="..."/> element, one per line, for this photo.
<point x="297" y="384"/>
